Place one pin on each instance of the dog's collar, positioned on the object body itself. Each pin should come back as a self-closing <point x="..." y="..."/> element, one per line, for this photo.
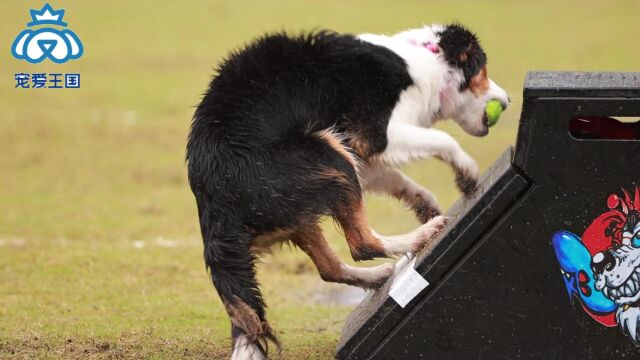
<point x="433" y="47"/>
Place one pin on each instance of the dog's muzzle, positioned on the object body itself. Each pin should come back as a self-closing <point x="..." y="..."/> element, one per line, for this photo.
<point x="617" y="274"/>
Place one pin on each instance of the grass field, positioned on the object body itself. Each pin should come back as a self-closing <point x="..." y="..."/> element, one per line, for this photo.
<point x="100" y="254"/>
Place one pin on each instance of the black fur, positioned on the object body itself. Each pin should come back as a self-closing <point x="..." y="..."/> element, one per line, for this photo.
<point x="462" y="49"/>
<point x="254" y="163"/>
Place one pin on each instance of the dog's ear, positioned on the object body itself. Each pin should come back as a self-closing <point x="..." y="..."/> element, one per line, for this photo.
<point x="459" y="44"/>
<point x="462" y="49"/>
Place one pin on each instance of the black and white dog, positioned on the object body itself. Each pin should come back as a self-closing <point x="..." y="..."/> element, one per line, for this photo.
<point x="294" y="128"/>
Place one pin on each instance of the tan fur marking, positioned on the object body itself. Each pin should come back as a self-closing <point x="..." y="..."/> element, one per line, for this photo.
<point x="339" y="177"/>
<point x="263" y="242"/>
<point x="360" y="146"/>
<point x="480" y="83"/>
<point x="245" y="318"/>
<point x="333" y="140"/>
<point x="312" y="242"/>
<point x="362" y="243"/>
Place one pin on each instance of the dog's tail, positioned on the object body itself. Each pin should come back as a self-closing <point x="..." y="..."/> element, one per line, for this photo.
<point x="232" y="265"/>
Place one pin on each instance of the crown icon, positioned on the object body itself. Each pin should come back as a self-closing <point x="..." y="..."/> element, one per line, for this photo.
<point x="47" y="16"/>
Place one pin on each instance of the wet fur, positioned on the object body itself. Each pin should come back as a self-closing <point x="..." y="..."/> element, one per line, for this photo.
<point x="281" y="138"/>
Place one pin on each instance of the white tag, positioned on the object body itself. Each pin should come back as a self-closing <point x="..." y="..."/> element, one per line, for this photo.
<point x="407" y="284"/>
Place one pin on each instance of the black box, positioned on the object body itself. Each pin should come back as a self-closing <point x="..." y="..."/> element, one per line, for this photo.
<point x="508" y="278"/>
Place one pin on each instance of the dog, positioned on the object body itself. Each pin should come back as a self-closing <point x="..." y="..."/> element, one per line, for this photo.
<point x="294" y="128"/>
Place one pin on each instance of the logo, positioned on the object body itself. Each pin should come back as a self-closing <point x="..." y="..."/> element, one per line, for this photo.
<point x="601" y="269"/>
<point x="37" y="44"/>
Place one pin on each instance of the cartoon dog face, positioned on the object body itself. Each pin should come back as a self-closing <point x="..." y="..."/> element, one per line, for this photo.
<point x="602" y="269"/>
<point x="617" y="275"/>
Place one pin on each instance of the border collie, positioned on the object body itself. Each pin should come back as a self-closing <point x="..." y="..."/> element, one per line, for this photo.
<point x="294" y="128"/>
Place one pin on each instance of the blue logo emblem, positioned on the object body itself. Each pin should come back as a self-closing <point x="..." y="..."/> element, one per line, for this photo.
<point x="57" y="45"/>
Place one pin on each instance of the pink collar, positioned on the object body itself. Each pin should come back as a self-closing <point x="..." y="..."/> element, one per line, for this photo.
<point x="427" y="45"/>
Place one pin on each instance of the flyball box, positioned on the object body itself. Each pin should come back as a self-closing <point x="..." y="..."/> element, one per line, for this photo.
<point x="542" y="263"/>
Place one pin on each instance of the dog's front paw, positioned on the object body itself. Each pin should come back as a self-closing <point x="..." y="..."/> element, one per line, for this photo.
<point x="426" y="211"/>
<point x="425" y="214"/>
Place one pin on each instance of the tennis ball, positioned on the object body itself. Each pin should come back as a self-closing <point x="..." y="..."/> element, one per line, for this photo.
<point x="493" y="110"/>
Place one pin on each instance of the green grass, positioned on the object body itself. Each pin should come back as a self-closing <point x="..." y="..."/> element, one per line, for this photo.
<point x="100" y="254"/>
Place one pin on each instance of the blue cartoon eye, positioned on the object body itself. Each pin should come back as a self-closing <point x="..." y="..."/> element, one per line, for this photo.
<point x="635" y="242"/>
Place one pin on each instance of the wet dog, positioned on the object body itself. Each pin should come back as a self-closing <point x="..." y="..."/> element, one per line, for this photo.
<point x="294" y="128"/>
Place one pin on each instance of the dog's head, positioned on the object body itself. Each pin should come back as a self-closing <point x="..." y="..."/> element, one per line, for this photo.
<point x="468" y="87"/>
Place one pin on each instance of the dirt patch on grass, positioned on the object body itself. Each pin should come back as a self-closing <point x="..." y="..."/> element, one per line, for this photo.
<point x="127" y="346"/>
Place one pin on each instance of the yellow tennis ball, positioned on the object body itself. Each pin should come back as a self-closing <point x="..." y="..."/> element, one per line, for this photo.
<point x="493" y="110"/>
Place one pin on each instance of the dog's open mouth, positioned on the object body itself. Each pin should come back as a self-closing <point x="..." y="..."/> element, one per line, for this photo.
<point x="485" y="119"/>
<point x="628" y="293"/>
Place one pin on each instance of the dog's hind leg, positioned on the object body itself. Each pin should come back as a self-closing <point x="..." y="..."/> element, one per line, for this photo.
<point x="331" y="268"/>
<point x="366" y="244"/>
<point x="379" y="178"/>
<point x="341" y="184"/>
<point x="228" y="256"/>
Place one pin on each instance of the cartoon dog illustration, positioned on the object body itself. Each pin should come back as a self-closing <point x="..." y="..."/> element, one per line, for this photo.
<point x="617" y="270"/>
<point x="602" y="269"/>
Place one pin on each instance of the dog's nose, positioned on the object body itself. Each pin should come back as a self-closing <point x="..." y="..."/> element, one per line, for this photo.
<point x="505" y="103"/>
<point x="603" y="261"/>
